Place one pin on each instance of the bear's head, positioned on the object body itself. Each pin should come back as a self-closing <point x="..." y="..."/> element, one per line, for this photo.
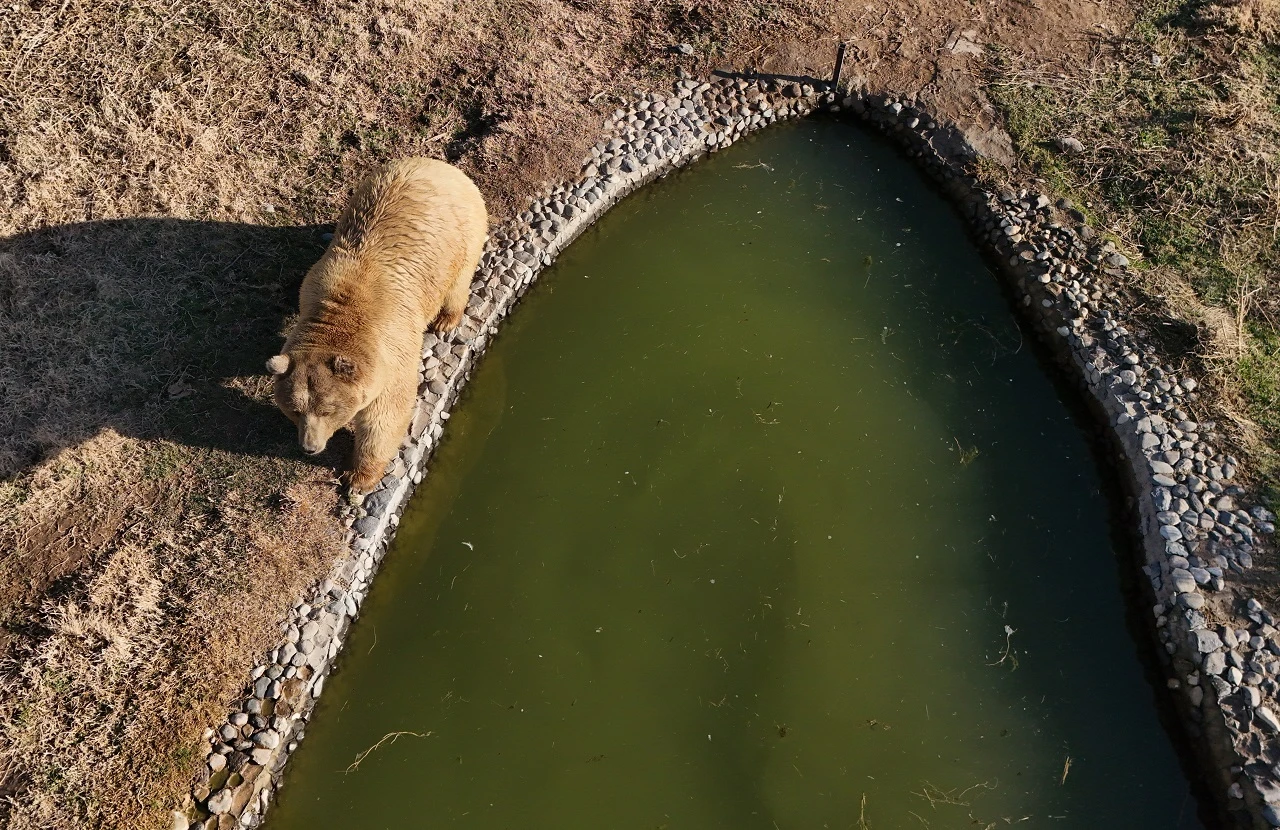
<point x="319" y="392"/>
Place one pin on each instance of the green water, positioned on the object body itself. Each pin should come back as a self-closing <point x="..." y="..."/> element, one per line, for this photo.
<point x="727" y="532"/>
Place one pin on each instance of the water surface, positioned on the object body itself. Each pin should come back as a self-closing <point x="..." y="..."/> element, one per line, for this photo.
<point x="759" y="514"/>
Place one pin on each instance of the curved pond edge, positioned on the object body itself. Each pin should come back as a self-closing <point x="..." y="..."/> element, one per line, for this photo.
<point x="1219" y="653"/>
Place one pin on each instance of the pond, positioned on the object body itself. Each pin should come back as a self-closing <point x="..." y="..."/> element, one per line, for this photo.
<point x="759" y="513"/>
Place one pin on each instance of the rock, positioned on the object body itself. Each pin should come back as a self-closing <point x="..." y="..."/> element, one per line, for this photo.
<point x="260" y="756"/>
<point x="1069" y="145"/>
<point x="178" y="821"/>
<point x="220" y="802"/>
<point x="1194" y="601"/>
<point x="375" y="503"/>
<point x="1267" y="718"/>
<point x="217" y="762"/>
<point x="267" y="739"/>
<point x="684" y="49"/>
<point x="1272" y="815"/>
<point x="1205" y="641"/>
<point x="792" y="91"/>
<point x="1170" y="533"/>
<point x="1215" y="663"/>
<point x="366" y="527"/>
<point x="1183" y="581"/>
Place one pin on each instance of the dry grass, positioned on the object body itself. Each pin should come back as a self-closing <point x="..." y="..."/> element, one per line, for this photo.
<point x="1180" y="122"/>
<point x="100" y="717"/>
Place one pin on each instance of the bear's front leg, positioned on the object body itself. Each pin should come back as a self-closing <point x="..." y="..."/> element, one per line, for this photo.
<point x="455" y="303"/>
<point x="380" y="428"/>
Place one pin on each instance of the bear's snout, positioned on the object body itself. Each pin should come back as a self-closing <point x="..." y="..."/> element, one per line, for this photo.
<point x="311" y="437"/>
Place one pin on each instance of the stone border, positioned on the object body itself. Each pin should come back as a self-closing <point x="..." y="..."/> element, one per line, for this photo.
<point x="1220" y="659"/>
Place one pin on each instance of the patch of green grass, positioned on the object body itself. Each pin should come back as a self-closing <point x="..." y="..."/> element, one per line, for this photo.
<point x="1267" y="60"/>
<point x="1259" y="368"/>
<point x="162" y="460"/>
<point x="1181" y="163"/>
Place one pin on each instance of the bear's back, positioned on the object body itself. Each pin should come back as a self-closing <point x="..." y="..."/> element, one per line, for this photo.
<point x="411" y="203"/>
<point x="407" y="232"/>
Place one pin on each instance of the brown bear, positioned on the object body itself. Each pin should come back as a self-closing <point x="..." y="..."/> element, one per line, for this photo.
<point x="401" y="260"/>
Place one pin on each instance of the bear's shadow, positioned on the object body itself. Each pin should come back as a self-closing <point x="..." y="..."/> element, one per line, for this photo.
<point x="157" y="328"/>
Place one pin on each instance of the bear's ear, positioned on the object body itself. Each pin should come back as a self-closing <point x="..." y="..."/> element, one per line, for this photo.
<point x="343" y="367"/>
<point x="278" y="365"/>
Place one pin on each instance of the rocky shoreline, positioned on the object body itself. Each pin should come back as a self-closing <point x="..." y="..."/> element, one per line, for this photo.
<point x="1221" y="655"/>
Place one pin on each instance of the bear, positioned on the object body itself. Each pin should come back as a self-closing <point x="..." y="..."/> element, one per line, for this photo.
<point x="400" y="262"/>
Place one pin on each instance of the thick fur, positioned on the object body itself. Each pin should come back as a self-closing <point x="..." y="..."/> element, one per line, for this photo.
<point x="401" y="260"/>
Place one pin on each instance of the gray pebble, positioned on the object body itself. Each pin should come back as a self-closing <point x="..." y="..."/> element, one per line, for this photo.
<point x="220" y="802"/>
<point x="267" y="739"/>
<point x="1205" y="641"/>
<point x="1267" y="718"/>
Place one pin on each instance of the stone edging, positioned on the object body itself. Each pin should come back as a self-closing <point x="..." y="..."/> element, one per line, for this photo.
<point x="1194" y="535"/>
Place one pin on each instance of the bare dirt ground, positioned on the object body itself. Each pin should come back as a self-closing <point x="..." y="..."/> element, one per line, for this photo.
<point x="166" y="169"/>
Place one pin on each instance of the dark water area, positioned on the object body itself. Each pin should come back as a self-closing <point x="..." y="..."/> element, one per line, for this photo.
<point x="759" y="513"/>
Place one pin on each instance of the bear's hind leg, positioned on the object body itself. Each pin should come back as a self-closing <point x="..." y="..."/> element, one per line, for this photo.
<point x="455" y="303"/>
<point x="380" y="428"/>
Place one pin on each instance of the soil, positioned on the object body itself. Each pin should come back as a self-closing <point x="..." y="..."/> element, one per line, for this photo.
<point x="166" y="172"/>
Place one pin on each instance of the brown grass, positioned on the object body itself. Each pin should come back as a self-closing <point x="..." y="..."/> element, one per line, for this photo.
<point x="135" y="659"/>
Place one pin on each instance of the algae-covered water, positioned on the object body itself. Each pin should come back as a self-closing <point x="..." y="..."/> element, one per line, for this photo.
<point x="759" y="514"/>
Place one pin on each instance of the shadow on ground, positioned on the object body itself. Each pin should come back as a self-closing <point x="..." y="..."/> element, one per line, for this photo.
<point x="157" y="328"/>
